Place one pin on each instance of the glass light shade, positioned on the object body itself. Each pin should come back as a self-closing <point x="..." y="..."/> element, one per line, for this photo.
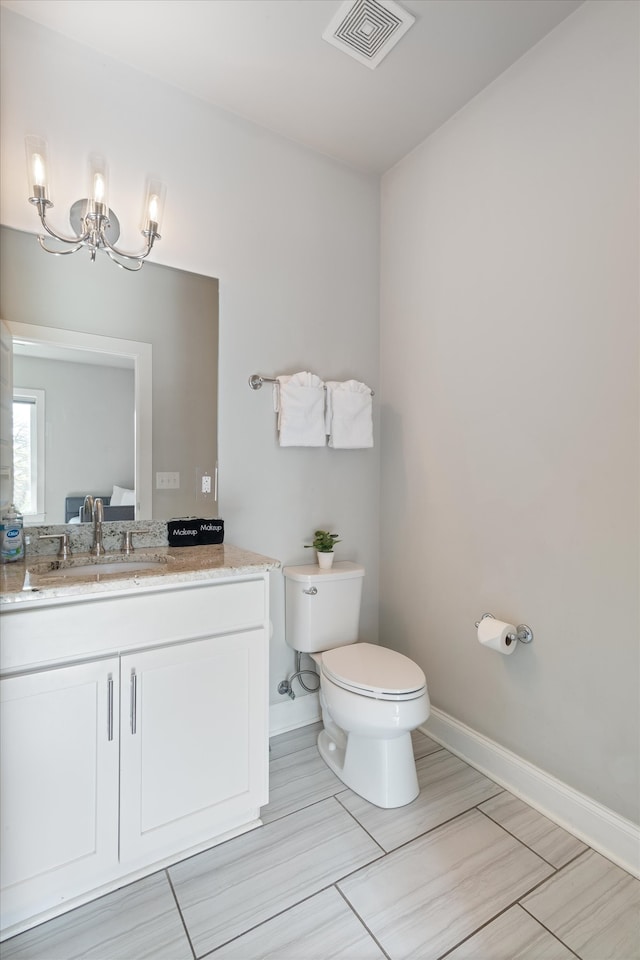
<point x="98" y="183"/>
<point x="153" y="209"/>
<point x="37" y="167"/>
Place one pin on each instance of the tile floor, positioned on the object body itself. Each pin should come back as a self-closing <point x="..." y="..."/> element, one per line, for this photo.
<point x="467" y="871"/>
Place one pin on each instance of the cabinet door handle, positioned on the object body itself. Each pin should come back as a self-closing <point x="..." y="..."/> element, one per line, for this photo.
<point x="110" y="708"/>
<point x="134" y="698"/>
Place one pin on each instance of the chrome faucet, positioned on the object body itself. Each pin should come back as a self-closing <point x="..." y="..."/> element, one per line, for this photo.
<point x="87" y="509"/>
<point x="97" y="547"/>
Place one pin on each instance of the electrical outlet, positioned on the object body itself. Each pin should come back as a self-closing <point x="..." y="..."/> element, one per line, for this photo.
<point x="205" y="484"/>
<point x="167" y="481"/>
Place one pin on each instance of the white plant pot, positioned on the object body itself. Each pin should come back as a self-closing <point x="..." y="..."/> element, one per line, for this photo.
<point x="324" y="560"/>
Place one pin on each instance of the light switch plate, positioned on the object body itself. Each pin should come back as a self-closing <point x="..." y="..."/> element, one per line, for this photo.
<point x="167" y="481"/>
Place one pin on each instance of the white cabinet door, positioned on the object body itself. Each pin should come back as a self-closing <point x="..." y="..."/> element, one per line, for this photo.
<point x="194" y="747"/>
<point x="59" y="810"/>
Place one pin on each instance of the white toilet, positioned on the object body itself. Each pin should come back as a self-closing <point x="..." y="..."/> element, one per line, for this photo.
<point x="371" y="697"/>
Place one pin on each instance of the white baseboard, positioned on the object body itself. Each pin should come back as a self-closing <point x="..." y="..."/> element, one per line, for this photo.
<point x="611" y="835"/>
<point x="290" y="714"/>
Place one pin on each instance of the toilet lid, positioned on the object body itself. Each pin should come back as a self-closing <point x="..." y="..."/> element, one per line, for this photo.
<point x="374" y="671"/>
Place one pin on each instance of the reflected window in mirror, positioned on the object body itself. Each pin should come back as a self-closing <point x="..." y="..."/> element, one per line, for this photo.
<point x="29" y="465"/>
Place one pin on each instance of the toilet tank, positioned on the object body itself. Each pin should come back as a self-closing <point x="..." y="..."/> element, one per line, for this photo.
<point x="322" y="607"/>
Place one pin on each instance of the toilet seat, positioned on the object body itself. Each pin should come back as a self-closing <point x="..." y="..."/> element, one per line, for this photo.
<point x="372" y="671"/>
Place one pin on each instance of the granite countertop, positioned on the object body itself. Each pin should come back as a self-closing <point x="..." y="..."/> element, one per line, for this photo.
<point x="39" y="579"/>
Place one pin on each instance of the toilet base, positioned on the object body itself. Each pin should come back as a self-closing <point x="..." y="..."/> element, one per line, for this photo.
<point x="381" y="771"/>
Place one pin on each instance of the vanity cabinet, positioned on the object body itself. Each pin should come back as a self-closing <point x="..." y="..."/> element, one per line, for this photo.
<point x="189" y="758"/>
<point x="59" y="812"/>
<point x="124" y="761"/>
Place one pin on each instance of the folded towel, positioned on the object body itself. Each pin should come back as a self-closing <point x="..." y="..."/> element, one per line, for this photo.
<point x="348" y="414"/>
<point x="299" y="402"/>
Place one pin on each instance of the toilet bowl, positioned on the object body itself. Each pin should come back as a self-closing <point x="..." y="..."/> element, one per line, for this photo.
<point x="368" y="715"/>
<point x="371" y="697"/>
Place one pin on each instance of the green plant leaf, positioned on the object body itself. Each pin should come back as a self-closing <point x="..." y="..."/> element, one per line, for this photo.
<point x="323" y="541"/>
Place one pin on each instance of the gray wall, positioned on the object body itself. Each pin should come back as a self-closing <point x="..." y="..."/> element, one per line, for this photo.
<point x="510" y="391"/>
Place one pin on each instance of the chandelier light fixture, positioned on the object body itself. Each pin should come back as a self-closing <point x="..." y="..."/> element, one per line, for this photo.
<point x="95" y="226"/>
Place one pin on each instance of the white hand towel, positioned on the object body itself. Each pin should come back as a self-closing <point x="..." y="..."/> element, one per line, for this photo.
<point x="299" y="402"/>
<point x="349" y="414"/>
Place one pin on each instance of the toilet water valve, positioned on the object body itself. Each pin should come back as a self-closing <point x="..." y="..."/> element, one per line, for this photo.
<point x="285" y="687"/>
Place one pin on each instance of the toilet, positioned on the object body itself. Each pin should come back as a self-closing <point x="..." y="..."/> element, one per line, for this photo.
<point x="371" y="697"/>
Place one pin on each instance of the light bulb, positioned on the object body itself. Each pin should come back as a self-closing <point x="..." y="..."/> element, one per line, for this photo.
<point x="154" y="206"/>
<point x="39" y="178"/>
<point x="37" y="168"/>
<point x="98" y="188"/>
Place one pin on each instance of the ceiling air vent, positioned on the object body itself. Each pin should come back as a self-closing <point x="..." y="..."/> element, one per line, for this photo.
<point x="368" y="29"/>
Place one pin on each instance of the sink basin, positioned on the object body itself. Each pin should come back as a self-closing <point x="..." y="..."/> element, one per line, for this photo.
<point x="80" y="568"/>
<point x="124" y="567"/>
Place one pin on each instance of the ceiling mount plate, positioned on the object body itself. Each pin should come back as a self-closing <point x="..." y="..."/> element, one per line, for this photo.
<point x="368" y="29"/>
<point x="76" y="219"/>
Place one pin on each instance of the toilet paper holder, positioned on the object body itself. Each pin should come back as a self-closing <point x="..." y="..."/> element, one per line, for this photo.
<point x="523" y="633"/>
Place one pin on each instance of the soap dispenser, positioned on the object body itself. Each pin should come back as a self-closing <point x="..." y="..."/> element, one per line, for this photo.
<point x="11" y="536"/>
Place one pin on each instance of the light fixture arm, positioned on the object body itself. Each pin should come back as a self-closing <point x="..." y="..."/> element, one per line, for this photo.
<point x="111" y="250"/>
<point x="94" y="224"/>
<point x="123" y="266"/>
<point x="41" y="203"/>
<point x="59" y="253"/>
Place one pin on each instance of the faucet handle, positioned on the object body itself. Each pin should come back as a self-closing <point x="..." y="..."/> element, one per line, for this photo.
<point x="64" y="549"/>
<point x="128" y="543"/>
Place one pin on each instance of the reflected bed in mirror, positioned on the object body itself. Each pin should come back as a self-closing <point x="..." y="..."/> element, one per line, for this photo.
<point x="173" y="314"/>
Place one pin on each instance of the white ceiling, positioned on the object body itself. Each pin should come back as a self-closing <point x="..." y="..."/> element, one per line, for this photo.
<point x="266" y="61"/>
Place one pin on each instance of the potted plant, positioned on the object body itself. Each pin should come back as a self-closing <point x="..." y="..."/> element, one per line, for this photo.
<point x="323" y="543"/>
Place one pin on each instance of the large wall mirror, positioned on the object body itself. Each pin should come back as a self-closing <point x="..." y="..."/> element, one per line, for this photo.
<point x="126" y="366"/>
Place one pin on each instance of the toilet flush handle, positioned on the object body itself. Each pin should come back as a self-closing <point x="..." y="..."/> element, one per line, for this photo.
<point x="311" y="592"/>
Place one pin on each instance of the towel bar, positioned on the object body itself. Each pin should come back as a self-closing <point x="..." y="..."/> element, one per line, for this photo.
<point x="256" y="381"/>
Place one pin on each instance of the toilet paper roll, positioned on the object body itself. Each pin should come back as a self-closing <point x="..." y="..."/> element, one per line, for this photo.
<point x="495" y="635"/>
